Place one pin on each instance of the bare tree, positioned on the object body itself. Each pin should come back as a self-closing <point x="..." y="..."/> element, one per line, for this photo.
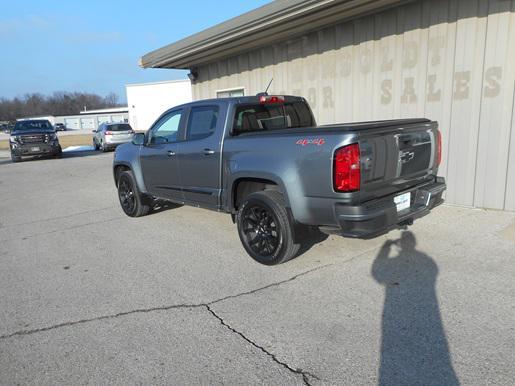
<point x="59" y="103"/>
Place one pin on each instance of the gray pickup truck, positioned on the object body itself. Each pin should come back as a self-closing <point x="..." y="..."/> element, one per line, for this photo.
<point x="263" y="160"/>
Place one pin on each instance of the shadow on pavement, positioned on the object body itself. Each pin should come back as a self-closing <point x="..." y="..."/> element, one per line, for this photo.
<point x="310" y="237"/>
<point x="87" y="153"/>
<point x="163" y="206"/>
<point x="414" y="348"/>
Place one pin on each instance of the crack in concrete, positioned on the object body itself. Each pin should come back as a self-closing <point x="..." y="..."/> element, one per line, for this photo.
<point x="276" y="284"/>
<point x="177" y="306"/>
<point x="98" y="318"/>
<point x="153" y="309"/>
<point x="305" y="374"/>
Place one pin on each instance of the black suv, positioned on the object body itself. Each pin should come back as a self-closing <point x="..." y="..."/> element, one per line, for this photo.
<point x="60" y="127"/>
<point x="34" y="137"/>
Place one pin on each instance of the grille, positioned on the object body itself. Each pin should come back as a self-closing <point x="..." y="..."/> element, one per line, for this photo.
<point x="34" y="138"/>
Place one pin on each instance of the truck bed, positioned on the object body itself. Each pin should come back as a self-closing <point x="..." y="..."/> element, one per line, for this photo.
<point x="370" y="126"/>
<point x="396" y="155"/>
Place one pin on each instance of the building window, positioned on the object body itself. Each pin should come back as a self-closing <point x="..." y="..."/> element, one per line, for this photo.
<point x="234" y="92"/>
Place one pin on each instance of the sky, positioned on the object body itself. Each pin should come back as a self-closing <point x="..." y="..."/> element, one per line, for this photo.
<point x="94" y="46"/>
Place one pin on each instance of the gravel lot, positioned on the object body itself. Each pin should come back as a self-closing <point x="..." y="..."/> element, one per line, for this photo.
<point x="91" y="296"/>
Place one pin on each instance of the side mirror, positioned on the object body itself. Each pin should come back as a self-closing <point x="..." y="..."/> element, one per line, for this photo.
<point x="138" y="139"/>
<point x="93" y="131"/>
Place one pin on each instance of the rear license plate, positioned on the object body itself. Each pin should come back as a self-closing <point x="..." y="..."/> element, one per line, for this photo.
<point x="403" y="201"/>
<point x="34" y="148"/>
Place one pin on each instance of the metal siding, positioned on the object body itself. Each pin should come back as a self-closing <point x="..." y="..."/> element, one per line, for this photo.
<point x="466" y="102"/>
<point x="327" y="73"/>
<point x="448" y="60"/>
<point x="385" y="45"/>
<point x="496" y="109"/>
<point x="509" y="202"/>
<point x="363" y="64"/>
<point x="344" y="88"/>
<point x="442" y="39"/>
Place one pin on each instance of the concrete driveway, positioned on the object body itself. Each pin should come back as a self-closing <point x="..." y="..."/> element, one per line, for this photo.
<point x="91" y="296"/>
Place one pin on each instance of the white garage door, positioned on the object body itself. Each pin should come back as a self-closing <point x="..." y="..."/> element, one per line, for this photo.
<point x="87" y="123"/>
<point x="104" y="119"/>
<point x="117" y="118"/>
<point x="72" y="123"/>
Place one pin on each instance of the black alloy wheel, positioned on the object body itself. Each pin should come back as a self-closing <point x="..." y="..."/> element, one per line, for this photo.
<point x="126" y="194"/>
<point x="129" y="196"/>
<point x="260" y="230"/>
<point x="265" y="228"/>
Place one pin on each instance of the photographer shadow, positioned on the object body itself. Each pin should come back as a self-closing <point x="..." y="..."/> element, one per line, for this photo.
<point x="414" y="348"/>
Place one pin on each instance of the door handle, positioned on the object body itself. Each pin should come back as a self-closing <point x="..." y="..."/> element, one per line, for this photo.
<point x="170" y="153"/>
<point x="209" y="152"/>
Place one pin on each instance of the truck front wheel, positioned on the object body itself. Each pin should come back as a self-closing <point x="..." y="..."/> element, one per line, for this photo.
<point x="265" y="228"/>
<point x="130" y="197"/>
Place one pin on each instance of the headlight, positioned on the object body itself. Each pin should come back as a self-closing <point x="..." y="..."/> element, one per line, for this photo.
<point x="13" y="139"/>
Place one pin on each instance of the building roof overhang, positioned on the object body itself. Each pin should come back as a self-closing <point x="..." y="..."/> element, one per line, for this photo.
<point x="277" y="21"/>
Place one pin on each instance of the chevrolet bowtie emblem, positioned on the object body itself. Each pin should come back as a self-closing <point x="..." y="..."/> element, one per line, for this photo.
<point x="406" y="156"/>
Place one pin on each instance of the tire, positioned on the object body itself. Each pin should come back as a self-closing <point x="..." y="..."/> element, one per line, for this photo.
<point x="59" y="153"/>
<point x="130" y="197"/>
<point x="265" y="228"/>
<point x="95" y="145"/>
<point x="103" y="147"/>
<point x="15" y="158"/>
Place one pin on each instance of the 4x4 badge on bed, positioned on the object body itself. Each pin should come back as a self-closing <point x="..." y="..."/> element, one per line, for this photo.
<point x="316" y="141"/>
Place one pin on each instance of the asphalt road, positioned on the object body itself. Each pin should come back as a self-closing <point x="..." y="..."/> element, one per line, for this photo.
<point x="89" y="295"/>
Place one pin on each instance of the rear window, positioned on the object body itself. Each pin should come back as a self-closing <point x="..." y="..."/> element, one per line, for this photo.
<point x="120" y="127"/>
<point x="260" y="117"/>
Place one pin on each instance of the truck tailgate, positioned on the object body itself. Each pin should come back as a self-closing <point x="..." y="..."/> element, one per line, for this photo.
<point x="397" y="157"/>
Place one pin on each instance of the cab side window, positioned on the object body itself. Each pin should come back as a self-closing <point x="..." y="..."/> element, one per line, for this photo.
<point x="202" y="122"/>
<point x="167" y="129"/>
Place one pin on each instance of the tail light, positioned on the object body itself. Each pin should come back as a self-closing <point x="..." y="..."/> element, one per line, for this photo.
<point x="271" y="99"/>
<point x="439" y="148"/>
<point x="109" y="133"/>
<point x="347" y="169"/>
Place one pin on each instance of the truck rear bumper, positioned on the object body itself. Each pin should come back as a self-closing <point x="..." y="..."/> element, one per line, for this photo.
<point x="380" y="216"/>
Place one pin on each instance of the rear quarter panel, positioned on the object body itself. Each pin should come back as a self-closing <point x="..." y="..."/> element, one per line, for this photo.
<point x="300" y="164"/>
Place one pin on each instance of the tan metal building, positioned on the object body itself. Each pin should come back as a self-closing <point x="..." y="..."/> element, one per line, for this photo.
<point x="448" y="60"/>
